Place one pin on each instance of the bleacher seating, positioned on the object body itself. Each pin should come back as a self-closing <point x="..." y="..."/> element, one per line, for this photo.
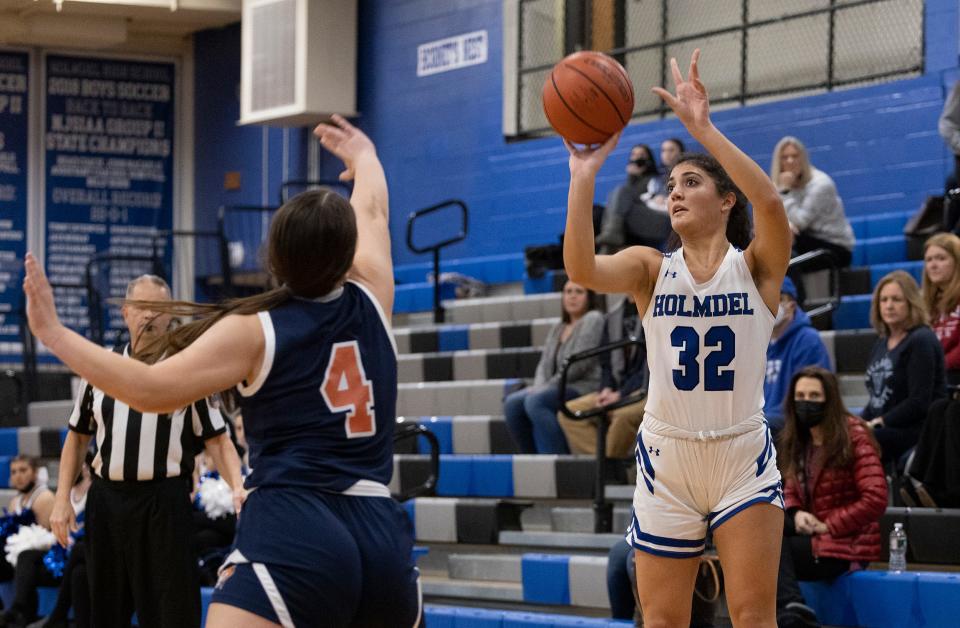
<point x="517" y="530"/>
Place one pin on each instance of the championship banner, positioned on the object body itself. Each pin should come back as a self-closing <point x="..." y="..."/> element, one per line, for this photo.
<point x="108" y="134"/>
<point x="14" y="126"/>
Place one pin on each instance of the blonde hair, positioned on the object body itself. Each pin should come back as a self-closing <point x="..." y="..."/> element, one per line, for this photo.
<point x="916" y="310"/>
<point x="806" y="170"/>
<point x="941" y="299"/>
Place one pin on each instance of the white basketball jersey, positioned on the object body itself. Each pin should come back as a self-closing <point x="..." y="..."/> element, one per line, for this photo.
<point x="706" y="345"/>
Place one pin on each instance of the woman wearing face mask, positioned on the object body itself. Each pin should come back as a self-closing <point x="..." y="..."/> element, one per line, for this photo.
<point x="834" y="490"/>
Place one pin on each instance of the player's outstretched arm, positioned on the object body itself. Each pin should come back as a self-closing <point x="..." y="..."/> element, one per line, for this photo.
<point x="372" y="264"/>
<point x="228" y="353"/>
<point x="627" y="271"/>
<point x="769" y="253"/>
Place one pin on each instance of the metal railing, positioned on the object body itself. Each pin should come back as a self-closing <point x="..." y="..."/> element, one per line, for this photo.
<point x="438" y="314"/>
<point x="824" y="260"/>
<point x="429" y="486"/>
<point x="602" y="510"/>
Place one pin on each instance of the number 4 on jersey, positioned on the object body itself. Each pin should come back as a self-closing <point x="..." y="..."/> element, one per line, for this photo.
<point x="346" y="389"/>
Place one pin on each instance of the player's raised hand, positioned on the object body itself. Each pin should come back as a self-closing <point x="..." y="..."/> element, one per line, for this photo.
<point x="690" y="103"/>
<point x="589" y="159"/>
<point x="41" y="310"/>
<point x="345" y="141"/>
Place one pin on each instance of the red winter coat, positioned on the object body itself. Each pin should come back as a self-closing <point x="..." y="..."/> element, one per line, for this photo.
<point x="850" y="500"/>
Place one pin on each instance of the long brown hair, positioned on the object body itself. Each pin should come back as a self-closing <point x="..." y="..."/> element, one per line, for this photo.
<point x="310" y="248"/>
<point x="592" y="302"/>
<point x="739" y="229"/>
<point x="794" y="440"/>
<point x="940" y="300"/>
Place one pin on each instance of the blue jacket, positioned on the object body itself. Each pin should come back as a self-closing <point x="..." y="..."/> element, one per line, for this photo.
<point x="799" y="346"/>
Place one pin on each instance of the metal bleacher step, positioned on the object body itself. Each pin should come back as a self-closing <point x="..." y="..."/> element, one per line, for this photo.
<point x="443" y="587"/>
<point x="561" y="540"/>
<point x="580" y="519"/>
<point x="503" y="308"/>
<point x="52" y="414"/>
<point x="485" y="567"/>
<point x="619" y="492"/>
<point x="469" y="397"/>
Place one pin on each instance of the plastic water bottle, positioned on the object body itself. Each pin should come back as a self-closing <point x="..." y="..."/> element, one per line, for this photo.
<point x="898" y="548"/>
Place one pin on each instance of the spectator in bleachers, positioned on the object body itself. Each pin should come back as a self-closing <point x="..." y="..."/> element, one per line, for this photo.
<point x="33" y="572"/>
<point x="949" y="127"/>
<point x="905" y="373"/>
<point x="627" y="218"/>
<point x="531" y="413"/>
<point x="813" y="206"/>
<point x="835" y="491"/>
<point x="33" y="502"/>
<point x="794" y="344"/>
<point x="623" y="374"/>
<point x="32" y="493"/>
<point x="941" y="293"/>
<point x="670" y="151"/>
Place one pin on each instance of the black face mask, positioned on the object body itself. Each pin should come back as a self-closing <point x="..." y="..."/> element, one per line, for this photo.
<point x="810" y="413"/>
<point x="641" y="162"/>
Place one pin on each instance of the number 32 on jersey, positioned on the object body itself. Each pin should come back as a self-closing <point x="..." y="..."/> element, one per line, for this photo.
<point x="715" y="377"/>
<point x="346" y="388"/>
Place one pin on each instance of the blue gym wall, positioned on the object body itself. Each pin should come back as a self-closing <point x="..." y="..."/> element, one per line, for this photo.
<point x="222" y="146"/>
<point x="440" y="136"/>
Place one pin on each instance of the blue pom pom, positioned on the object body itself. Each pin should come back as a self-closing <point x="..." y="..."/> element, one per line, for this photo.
<point x="55" y="560"/>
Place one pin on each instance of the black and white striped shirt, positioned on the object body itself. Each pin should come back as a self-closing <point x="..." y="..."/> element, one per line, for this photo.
<point x="136" y="446"/>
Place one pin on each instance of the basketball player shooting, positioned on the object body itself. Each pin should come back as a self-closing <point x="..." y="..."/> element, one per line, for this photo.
<point x="704" y="453"/>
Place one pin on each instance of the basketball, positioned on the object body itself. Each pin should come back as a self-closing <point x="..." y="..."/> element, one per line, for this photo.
<point x="588" y="97"/>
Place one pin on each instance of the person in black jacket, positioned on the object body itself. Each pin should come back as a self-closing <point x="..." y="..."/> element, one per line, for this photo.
<point x="905" y="373"/>
<point x="623" y="374"/>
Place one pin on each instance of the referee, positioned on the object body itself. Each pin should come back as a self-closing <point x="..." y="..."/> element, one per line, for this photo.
<point x="139" y="517"/>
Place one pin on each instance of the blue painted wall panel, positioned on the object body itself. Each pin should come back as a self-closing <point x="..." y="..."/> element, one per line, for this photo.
<point x="440" y="136"/>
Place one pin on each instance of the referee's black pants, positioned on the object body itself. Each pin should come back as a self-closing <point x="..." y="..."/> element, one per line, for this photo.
<point x="139" y="555"/>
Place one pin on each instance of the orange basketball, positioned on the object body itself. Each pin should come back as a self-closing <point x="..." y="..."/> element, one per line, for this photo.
<point x="588" y="97"/>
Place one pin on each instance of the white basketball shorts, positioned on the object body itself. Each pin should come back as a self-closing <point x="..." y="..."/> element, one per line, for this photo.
<point x="687" y="486"/>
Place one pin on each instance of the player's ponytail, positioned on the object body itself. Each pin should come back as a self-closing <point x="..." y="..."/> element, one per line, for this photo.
<point x="312" y="241"/>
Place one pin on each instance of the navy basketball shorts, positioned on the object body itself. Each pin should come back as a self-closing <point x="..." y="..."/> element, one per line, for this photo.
<point x="685" y="487"/>
<point x="305" y="558"/>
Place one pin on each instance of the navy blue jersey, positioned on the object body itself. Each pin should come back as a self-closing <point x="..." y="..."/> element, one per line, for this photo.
<point x="322" y="410"/>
